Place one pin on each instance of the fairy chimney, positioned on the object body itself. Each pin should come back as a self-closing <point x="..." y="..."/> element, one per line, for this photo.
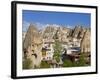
<point x="85" y="43"/>
<point x="33" y="45"/>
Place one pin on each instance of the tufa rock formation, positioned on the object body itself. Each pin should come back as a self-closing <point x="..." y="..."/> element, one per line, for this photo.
<point x="49" y="32"/>
<point x="32" y="45"/>
<point x="86" y="42"/>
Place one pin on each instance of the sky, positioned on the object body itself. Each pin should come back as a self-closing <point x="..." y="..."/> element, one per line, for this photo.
<point x="42" y="18"/>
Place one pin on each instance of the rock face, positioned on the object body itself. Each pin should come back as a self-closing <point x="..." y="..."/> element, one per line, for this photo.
<point x="52" y="31"/>
<point x="32" y="45"/>
<point x="86" y="42"/>
<point x="32" y="36"/>
<point x="49" y="32"/>
<point x="63" y="34"/>
<point x="78" y="32"/>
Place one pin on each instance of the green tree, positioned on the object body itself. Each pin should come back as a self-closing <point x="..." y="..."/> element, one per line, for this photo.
<point x="57" y="50"/>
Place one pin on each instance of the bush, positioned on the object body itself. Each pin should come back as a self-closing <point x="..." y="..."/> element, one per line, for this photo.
<point x="82" y="61"/>
<point x="57" y="59"/>
<point x="27" y="64"/>
<point x="67" y="63"/>
<point x="44" y="64"/>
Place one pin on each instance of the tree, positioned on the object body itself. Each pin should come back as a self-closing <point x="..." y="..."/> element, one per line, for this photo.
<point x="57" y="50"/>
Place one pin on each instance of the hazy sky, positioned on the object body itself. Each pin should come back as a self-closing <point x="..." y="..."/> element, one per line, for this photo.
<point x="42" y="18"/>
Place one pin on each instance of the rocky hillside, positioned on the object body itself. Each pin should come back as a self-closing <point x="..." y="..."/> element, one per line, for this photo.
<point x="64" y="33"/>
<point x="51" y="32"/>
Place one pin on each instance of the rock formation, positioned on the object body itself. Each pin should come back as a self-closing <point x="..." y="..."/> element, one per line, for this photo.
<point x="32" y="45"/>
<point x="86" y="42"/>
<point x="49" y="32"/>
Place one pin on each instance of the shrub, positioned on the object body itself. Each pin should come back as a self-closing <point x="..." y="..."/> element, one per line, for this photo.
<point x="82" y="61"/>
<point x="44" y="64"/>
<point x="67" y="63"/>
<point x="27" y="64"/>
